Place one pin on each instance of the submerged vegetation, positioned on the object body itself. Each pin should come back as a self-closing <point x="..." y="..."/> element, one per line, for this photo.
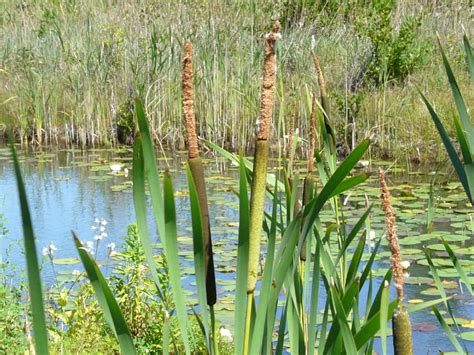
<point x="70" y="69"/>
<point x="312" y="288"/>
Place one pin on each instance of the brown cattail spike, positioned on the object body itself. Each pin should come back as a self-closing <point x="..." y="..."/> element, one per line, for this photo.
<point x="188" y="101"/>
<point x="396" y="260"/>
<point x="268" y="85"/>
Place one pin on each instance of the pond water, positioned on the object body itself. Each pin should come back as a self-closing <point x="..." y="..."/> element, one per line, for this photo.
<point x="70" y="189"/>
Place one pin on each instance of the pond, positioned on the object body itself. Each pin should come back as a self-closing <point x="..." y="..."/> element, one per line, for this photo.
<point x="70" y="189"/>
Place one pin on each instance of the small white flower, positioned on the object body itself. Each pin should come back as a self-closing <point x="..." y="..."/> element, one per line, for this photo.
<point x="89" y="246"/>
<point x="49" y="250"/>
<point x="98" y="237"/>
<point x="76" y="273"/>
<point x="97" y="221"/>
<point x="405" y="264"/>
<point x="45" y="251"/>
<point x="226" y="334"/>
<point x="371" y="234"/>
<point x="102" y="229"/>
<point x="111" y="246"/>
<point x="103" y="222"/>
<point x="93" y="228"/>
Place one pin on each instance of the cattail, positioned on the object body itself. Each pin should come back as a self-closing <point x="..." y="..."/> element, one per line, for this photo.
<point x="402" y="338"/>
<point x="261" y="155"/>
<point x="257" y="198"/>
<point x="197" y="171"/>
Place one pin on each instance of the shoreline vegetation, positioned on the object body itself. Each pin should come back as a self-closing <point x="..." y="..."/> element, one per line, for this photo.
<point x="70" y="71"/>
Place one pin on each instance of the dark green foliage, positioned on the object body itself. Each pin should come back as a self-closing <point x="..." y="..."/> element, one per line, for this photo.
<point x="394" y="53"/>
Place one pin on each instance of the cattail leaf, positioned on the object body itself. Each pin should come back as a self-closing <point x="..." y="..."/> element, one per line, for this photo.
<point x="349" y="183"/>
<point x="458" y="99"/>
<point x="172" y="257"/>
<point x="458" y="266"/>
<point x="341" y="316"/>
<point x="242" y="259"/>
<point x="40" y="332"/>
<point x="333" y="183"/>
<point x="384" y="318"/>
<point x="139" y="202"/>
<point x="469" y="56"/>
<point x="313" y="310"/>
<point x="448" y="331"/>
<point x="266" y="284"/>
<point x="372" y="326"/>
<point x="355" y="260"/>
<point x="106" y="299"/>
<point x="198" y="247"/>
<point x="466" y="154"/>
<point x="151" y="170"/>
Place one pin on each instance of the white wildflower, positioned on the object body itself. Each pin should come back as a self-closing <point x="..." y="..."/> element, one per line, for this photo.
<point x="226" y="334"/>
<point x="111" y="248"/>
<point x="76" y="273"/>
<point x="50" y="250"/>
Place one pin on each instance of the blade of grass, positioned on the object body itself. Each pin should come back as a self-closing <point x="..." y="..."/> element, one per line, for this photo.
<point x="139" y="201"/>
<point x="242" y="260"/>
<point x="40" y="332"/>
<point x="198" y="247"/>
<point x="106" y="299"/>
<point x="458" y="99"/>
<point x="453" y="155"/>
<point x="469" y="56"/>
<point x="173" y="258"/>
<point x="458" y="266"/>
<point x="384" y="318"/>
<point x="448" y="331"/>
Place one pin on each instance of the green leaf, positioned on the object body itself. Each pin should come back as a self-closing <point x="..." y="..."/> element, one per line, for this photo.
<point x="112" y="313"/>
<point x="242" y="260"/>
<point x="448" y="331"/>
<point x="151" y="170"/>
<point x="449" y="148"/>
<point x="341" y="315"/>
<point x="172" y="257"/>
<point x="265" y="290"/>
<point x="384" y="318"/>
<point x="458" y="267"/>
<point x="458" y="99"/>
<point x="333" y="184"/>
<point x="139" y="201"/>
<point x="372" y="326"/>
<point x="349" y="183"/>
<point x="469" y="57"/>
<point x="40" y="333"/>
<point x="198" y="247"/>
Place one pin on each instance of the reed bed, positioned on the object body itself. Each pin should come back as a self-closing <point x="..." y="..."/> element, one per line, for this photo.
<point x="69" y="71"/>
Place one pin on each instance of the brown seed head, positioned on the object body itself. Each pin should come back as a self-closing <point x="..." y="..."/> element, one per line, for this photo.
<point x="268" y="84"/>
<point x="396" y="260"/>
<point x="188" y="101"/>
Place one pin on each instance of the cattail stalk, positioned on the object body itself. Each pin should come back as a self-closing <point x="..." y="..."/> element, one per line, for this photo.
<point x="197" y="171"/>
<point x="257" y="198"/>
<point x="402" y="338"/>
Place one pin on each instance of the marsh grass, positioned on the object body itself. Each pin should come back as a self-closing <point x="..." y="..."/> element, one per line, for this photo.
<point x="68" y="69"/>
